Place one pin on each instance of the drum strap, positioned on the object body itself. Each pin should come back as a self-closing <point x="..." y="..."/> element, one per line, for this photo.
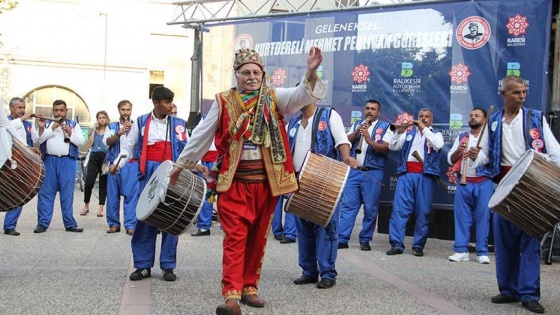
<point x="527" y="135"/>
<point x="145" y="145"/>
<point x="316" y="121"/>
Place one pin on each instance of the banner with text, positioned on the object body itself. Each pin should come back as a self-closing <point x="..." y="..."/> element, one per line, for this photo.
<point x="448" y="57"/>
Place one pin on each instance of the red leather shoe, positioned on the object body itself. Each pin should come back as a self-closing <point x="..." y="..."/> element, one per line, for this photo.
<point x="230" y="307"/>
<point x="252" y="300"/>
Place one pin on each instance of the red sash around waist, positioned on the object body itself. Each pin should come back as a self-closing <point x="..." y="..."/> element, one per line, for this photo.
<point x="158" y="152"/>
<point x="414" y="167"/>
<point x="476" y="179"/>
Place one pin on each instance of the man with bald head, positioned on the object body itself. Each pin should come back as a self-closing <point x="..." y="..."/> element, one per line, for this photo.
<point x="513" y="130"/>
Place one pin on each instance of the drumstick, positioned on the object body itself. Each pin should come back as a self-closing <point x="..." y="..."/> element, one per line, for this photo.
<point x="373" y="179"/>
<point x="464" y="163"/>
<point x="419" y="158"/>
<point x="490" y="110"/>
<point x="120" y="158"/>
<point x="465" y="158"/>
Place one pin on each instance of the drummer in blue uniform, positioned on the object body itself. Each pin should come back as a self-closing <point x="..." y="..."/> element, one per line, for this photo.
<point x="155" y="137"/>
<point x="511" y="131"/>
<point x="125" y="182"/>
<point x="417" y="178"/>
<point x="26" y="131"/>
<point x="322" y="131"/>
<point x="60" y="148"/>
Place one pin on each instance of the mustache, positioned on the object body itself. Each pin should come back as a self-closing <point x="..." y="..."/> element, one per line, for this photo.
<point x="252" y="81"/>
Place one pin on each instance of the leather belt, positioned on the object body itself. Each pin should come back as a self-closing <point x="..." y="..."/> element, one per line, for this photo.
<point x="364" y="168"/>
<point x="250" y="171"/>
<point x="58" y="156"/>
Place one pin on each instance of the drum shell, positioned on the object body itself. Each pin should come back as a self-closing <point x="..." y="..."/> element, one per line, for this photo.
<point x="321" y="182"/>
<point x="178" y="205"/>
<point x="529" y="195"/>
<point x="21" y="184"/>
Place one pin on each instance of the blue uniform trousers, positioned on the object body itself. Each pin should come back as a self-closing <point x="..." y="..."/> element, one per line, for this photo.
<point x="414" y="194"/>
<point x="362" y="187"/>
<point x="289" y="227"/>
<point x="60" y="175"/>
<point x="11" y="218"/>
<point x="124" y="183"/>
<point x="205" y="215"/>
<point x="471" y="204"/>
<point x="518" y="260"/>
<point x="144" y="237"/>
<point x="318" y="247"/>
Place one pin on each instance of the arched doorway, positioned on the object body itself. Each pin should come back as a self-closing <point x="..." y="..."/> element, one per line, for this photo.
<point x="40" y="100"/>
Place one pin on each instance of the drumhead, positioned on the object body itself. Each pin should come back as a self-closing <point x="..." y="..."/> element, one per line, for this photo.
<point x="512" y="178"/>
<point x="154" y="192"/>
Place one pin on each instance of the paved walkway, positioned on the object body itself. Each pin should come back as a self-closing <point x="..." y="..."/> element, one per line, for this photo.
<point x="87" y="273"/>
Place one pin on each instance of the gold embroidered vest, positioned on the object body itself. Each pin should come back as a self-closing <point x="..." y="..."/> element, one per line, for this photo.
<point x="281" y="177"/>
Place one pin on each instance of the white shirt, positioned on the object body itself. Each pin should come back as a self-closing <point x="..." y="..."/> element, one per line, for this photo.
<point x="5" y="123"/>
<point x="361" y="157"/>
<point x="159" y="131"/>
<point x="55" y="139"/>
<point x="435" y="141"/>
<point x="213" y="146"/>
<point x="290" y="100"/>
<point x="109" y="133"/>
<point x="304" y="137"/>
<point x="513" y="145"/>
<point x="122" y="139"/>
<point x="22" y="133"/>
<point x="481" y="159"/>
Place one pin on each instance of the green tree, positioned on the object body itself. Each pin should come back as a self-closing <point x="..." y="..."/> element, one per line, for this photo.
<point x="6" y="5"/>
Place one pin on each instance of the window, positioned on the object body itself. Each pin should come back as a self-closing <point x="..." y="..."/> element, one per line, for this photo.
<point x="156" y="80"/>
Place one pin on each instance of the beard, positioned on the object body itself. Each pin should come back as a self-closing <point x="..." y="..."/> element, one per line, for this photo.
<point x="474" y="124"/>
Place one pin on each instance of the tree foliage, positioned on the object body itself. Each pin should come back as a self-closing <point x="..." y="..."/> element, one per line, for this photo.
<point x="6" y="5"/>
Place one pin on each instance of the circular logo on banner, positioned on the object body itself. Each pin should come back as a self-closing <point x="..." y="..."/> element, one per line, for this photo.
<point x="535" y="134"/>
<point x="292" y="132"/>
<point x="537" y="144"/>
<point x="322" y="126"/>
<point x="379" y="131"/>
<point x="409" y="137"/>
<point x="473" y="32"/>
<point x="494" y="125"/>
<point x="179" y="129"/>
<point x="243" y="41"/>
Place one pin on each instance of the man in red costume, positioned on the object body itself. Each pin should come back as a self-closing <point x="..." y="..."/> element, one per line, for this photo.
<point x="255" y="166"/>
